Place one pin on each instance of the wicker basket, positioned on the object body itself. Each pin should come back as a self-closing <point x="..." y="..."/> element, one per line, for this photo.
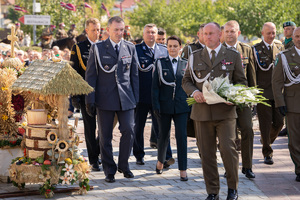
<point x="37" y="117"/>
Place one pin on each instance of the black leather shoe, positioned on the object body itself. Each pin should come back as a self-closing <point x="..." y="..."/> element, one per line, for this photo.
<point x="298" y="178"/>
<point x="268" y="160"/>
<point x="225" y="175"/>
<point x="184" y="178"/>
<point x="95" y="167"/>
<point x="169" y="162"/>
<point x="127" y="174"/>
<point x="110" y="178"/>
<point x="248" y="172"/>
<point x="153" y="145"/>
<point x="140" y="161"/>
<point x="212" y="197"/>
<point x="232" y="194"/>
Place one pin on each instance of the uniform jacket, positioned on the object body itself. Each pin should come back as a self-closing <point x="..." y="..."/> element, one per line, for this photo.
<point x="288" y="45"/>
<point x="146" y="58"/>
<point x="118" y="90"/>
<point x="162" y="95"/>
<point x="248" y="62"/>
<point x="202" y="66"/>
<point x="186" y="50"/>
<point x="84" y="47"/>
<point x="287" y="95"/>
<point x="265" y="58"/>
<point x="61" y="34"/>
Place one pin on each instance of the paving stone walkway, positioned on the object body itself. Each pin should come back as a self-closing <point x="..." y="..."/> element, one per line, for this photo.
<point x="272" y="181"/>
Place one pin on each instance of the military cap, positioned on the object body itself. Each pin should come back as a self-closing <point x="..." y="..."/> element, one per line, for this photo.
<point x="52" y="26"/>
<point x="73" y="25"/>
<point x="62" y="24"/>
<point x="289" y="23"/>
<point x="18" y="24"/>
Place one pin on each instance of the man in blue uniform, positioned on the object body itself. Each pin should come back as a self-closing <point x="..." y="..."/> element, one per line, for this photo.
<point x="112" y="70"/>
<point x="79" y="56"/>
<point x="148" y="51"/>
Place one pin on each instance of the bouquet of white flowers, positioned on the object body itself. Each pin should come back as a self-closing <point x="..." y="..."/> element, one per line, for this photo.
<point x="220" y="90"/>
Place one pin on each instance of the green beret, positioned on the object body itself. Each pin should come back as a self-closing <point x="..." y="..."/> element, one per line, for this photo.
<point x="290" y="23"/>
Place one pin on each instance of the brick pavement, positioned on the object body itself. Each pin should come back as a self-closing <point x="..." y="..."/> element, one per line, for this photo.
<point x="272" y="181"/>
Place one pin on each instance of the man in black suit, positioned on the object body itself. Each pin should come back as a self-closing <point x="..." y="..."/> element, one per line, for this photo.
<point x="79" y="56"/>
<point x="112" y="70"/>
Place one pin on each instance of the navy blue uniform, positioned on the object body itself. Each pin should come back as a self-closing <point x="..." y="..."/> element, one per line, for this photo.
<point x="115" y="80"/>
<point x="92" y="143"/>
<point x="146" y="59"/>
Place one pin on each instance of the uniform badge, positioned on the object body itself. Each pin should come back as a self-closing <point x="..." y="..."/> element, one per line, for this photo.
<point x="296" y="67"/>
<point x="223" y="67"/>
<point x="263" y="47"/>
<point x="165" y="74"/>
<point x="144" y="47"/>
<point x="143" y="66"/>
<point x="106" y="67"/>
<point x="259" y="51"/>
<point x="276" y="61"/>
<point x="72" y="52"/>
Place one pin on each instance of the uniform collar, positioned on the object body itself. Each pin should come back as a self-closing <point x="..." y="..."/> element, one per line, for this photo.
<point x="216" y="49"/>
<point x="171" y="58"/>
<point x="267" y="44"/>
<point x="114" y="44"/>
<point x="235" y="45"/>
<point x="298" y="50"/>
<point x="91" y="41"/>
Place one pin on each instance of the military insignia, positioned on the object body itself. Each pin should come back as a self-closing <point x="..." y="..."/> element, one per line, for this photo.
<point x="73" y="52"/>
<point x="296" y="67"/>
<point x="199" y="74"/>
<point x="144" y="48"/>
<point x="223" y="67"/>
<point x="165" y="74"/>
<point x="143" y="66"/>
<point x="259" y="51"/>
<point x="106" y="67"/>
<point x="108" y="57"/>
<point x="293" y="54"/>
<point x="263" y="47"/>
<point x="128" y="66"/>
<point x="276" y="61"/>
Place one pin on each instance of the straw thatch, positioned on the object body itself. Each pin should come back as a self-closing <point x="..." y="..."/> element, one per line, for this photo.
<point x="48" y="77"/>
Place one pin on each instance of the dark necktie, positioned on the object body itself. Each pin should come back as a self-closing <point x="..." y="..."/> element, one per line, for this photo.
<point x="117" y="49"/>
<point x="213" y="56"/>
<point x="174" y="61"/>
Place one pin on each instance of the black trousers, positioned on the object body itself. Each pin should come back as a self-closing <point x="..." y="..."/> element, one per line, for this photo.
<point x="105" y="123"/>
<point x="92" y="142"/>
<point x="141" y="113"/>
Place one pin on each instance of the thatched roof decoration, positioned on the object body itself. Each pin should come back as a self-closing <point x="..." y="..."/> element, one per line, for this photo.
<point x="48" y="77"/>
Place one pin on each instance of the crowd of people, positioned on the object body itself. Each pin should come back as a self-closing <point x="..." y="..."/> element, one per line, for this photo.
<point x="157" y="75"/>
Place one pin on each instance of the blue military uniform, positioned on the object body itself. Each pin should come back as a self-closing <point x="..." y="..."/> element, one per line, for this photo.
<point x="170" y="99"/>
<point x="115" y="80"/>
<point x="79" y="57"/>
<point x="146" y="59"/>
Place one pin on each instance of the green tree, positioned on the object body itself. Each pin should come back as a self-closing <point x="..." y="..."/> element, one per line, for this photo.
<point x="252" y="14"/>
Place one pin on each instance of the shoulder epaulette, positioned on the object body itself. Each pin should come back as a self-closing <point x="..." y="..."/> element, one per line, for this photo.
<point x="244" y="44"/>
<point x="184" y="59"/>
<point x="162" y="45"/>
<point x="80" y="58"/>
<point x="128" y="42"/>
<point x="197" y="50"/>
<point x="232" y="49"/>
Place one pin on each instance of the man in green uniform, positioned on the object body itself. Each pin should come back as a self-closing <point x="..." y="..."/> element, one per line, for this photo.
<point x="286" y="89"/>
<point x="269" y="118"/>
<point x="72" y="33"/>
<point x="189" y="48"/>
<point x="244" y="120"/>
<point x="288" y="28"/>
<point x="61" y="33"/>
<point x="47" y="37"/>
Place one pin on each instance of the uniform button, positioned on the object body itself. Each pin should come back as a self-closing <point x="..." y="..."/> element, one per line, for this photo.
<point x="212" y="70"/>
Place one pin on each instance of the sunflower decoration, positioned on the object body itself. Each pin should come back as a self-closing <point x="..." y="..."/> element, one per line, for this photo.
<point x="52" y="138"/>
<point x="62" y="146"/>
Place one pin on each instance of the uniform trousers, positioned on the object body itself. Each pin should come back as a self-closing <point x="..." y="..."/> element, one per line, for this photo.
<point x="180" y="122"/>
<point x="92" y="142"/>
<point x="141" y="113"/>
<point x="126" y="127"/>
<point x="244" y="124"/>
<point x="270" y="123"/>
<point x="208" y="131"/>
<point x="293" y="125"/>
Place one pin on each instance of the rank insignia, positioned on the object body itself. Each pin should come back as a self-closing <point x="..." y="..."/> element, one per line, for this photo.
<point x="143" y="66"/>
<point x="165" y="74"/>
<point x="106" y="67"/>
<point x="72" y="52"/>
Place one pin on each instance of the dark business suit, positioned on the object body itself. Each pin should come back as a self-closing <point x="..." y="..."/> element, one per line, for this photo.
<point x="92" y="143"/>
<point x="115" y="92"/>
<point x="269" y="118"/>
<point x="146" y="58"/>
<point x="171" y="108"/>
